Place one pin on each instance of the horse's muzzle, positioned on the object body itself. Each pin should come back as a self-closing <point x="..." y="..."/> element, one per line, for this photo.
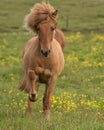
<point x="45" y="53"/>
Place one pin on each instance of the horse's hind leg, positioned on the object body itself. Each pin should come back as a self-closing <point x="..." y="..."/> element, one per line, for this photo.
<point x="33" y="91"/>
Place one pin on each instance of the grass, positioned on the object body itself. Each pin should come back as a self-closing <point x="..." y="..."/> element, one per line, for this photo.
<point x="78" y="99"/>
<point x="82" y="15"/>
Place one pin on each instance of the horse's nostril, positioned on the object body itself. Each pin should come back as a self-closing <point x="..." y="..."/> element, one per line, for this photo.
<point x="49" y="51"/>
<point x="45" y="53"/>
<point x="42" y="51"/>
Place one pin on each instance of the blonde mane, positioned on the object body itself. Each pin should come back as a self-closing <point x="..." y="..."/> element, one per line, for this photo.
<point x="39" y="13"/>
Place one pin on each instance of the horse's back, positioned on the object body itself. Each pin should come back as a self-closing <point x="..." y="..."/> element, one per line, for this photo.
<point x="59" y="36"/>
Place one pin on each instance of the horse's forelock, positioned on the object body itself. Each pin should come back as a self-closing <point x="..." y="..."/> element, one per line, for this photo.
<point x="38" y="14"/>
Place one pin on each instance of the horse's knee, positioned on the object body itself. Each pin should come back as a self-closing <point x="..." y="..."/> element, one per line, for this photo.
<point x="39" y="70"/>
<point x="33" y="90"/>
<point x="31" y="74"/>
<point x="47" y="72"/>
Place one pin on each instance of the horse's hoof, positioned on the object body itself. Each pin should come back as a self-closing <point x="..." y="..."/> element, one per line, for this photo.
<point x="47" y="115"/>
<point x="33" y="97"/>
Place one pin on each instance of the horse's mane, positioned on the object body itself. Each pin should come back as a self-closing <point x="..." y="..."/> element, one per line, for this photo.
<point x="39" y="13"/>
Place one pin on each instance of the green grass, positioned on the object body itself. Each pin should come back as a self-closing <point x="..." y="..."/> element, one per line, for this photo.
<point x="78" y="98"/>
<point x="83" y="15"/>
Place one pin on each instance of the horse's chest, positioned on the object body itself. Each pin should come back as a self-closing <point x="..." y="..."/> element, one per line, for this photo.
<point x="43" y="78"/>
<point x="43" y="74"/>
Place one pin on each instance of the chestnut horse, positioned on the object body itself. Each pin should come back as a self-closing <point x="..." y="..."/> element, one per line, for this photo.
<point x="43" y="58"/>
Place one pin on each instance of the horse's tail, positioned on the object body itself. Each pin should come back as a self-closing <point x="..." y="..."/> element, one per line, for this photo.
<point x="25" y="84"/>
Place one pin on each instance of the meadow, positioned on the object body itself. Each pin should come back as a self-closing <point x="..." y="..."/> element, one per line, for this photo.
<point x="78" y="98"/>
<point x="74" y="15"/>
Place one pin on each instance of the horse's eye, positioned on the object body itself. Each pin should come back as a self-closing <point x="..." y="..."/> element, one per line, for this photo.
<point x="38" y="29"/>
<point x="52" y="28"/>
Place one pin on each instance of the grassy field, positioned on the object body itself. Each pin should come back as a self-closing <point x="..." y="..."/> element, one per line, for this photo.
<point x="78" y="99"/>
<point x="83" y="15"/>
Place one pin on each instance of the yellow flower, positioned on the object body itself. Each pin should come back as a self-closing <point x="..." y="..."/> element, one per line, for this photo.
<point x="10" y="91"/>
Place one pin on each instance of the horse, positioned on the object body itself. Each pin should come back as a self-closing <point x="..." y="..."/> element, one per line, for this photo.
<point x="43" y="59"/>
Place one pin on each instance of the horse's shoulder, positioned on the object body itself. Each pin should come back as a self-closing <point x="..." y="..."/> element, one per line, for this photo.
<point x="56" y="44"/>
<point x="30" y="42"/>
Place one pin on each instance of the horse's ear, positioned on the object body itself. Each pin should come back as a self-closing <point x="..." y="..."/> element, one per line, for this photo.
<point x="55" y="13"/>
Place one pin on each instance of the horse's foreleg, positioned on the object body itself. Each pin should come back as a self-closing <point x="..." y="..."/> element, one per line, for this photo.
<point x="33" y="91"/>
<point x="47" y="97"/>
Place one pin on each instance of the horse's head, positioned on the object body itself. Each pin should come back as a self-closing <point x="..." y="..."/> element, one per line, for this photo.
<point x="42" y="20"/>
<point x="45" y="33"/>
